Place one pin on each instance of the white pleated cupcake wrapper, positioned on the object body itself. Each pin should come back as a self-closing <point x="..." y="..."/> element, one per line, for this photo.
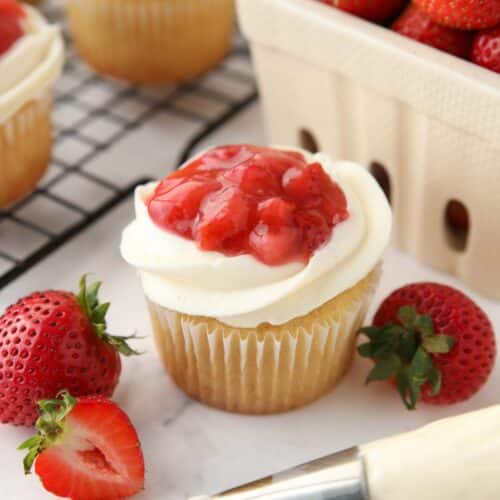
<point x="241" y="372"/>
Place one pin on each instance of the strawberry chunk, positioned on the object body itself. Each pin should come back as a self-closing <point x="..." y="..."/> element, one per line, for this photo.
<point x="315" y="229"/>
<point x="245" y="199"/>
<point x="176" y="203"/>
<point x="276" y="212"/>
<point x="301" y="183"/>
<point x="222" y="218"/>
<point x="254" y="179"/>
<point x="272" y="246"/>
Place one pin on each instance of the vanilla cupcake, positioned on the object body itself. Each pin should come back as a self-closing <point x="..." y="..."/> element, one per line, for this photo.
<point x="152" y="41"/>
<point x="30" y="61"/>
<point x="258" y="266"/>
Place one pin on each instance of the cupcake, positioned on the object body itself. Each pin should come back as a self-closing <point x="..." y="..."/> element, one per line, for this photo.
<point x="31" y="57"/>
<point x="258" y="266"/>
<point x="152" y="41"/>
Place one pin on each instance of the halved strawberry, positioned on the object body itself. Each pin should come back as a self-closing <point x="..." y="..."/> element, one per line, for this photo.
<point x="85" y="449"/>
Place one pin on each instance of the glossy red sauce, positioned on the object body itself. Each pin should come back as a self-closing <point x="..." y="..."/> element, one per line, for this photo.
<point x="11" y="14"/>
<point x="245" y="199"/>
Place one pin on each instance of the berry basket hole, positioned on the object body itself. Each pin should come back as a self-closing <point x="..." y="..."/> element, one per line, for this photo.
<point x="457" y="222"/>
<point x="308" y="141"/>
<point x="381" y="175"/>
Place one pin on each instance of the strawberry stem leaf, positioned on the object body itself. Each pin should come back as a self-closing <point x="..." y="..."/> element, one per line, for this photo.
<point x="88" y="298"/>
<point x="404" y="352"/>
<point x="50" y="425"/>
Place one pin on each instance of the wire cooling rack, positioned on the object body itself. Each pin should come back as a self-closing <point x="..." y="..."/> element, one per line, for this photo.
<point x="91" y="115"/>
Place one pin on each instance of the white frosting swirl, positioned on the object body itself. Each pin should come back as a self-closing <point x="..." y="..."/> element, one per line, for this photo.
<point x="30" y="65"/>
<point x="243" y="292"/>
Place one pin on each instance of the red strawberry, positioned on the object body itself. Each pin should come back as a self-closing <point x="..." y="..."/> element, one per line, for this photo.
<point x="413" y="23"/>
<point x="373" y="10"/>
<point x="54" y="340"/>
<point x="462" y="14"/>
<point x="85" y="449"/>
<point x="10" y="28"/>
<point x="433" y="341"/>
<point x="486" y="49"/>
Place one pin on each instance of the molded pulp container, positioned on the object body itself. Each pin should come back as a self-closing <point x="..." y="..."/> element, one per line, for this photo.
<point x="426" y="123"/>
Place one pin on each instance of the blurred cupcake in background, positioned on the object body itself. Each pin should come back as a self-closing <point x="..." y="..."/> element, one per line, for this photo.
<point x="31" y="58"/>
<point x="258" y="266"/>
<point x="152" y="41"/>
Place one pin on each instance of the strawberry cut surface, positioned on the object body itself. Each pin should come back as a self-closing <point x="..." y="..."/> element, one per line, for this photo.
<point x="245" y="199"/>
<point x="11" y="14"/>
<point x="86" y="449"/>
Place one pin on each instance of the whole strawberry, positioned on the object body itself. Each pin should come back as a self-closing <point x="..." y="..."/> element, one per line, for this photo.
<point x="486" y="49"/>
<point x="435" y="343"/>
<point x="56" y="340"/>
<point x="462" y="14"/>
<point x="372" y="10"/>
<point x="86" y="449"/>
<point x="415" y="24"/>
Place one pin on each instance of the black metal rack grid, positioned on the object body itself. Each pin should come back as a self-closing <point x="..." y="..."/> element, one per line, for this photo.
<point x="91" y="115"/>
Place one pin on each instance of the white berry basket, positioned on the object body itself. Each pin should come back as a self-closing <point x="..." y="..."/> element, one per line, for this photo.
<point x="426" y="123"/>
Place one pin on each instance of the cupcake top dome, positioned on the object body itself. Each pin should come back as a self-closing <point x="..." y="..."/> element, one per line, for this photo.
<point x="31" y="56"/>
<point x="252" y="235"/>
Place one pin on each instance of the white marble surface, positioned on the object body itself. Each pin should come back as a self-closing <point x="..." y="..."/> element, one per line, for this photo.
<point x="189" y="448"/>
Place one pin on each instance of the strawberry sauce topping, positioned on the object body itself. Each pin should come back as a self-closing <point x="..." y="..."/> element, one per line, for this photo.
<point x="11" y="14"/>
<point x="245" y="199"/>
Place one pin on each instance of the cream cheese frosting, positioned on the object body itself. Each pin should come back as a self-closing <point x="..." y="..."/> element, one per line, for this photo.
<point x="31" y="65"/>
<point x="453" y="459"/>
<point x="243" y="292"/>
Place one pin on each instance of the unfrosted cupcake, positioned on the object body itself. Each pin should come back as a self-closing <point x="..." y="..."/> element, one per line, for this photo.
<point x="258" y="266"/>
<point x="31" y="57"/>
<point x="152" y="41"/>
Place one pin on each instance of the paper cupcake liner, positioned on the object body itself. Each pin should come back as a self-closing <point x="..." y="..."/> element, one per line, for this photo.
<point x="152" y="41"/>
<point x="269" y="369"/>
<point x="25" y="149"/>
